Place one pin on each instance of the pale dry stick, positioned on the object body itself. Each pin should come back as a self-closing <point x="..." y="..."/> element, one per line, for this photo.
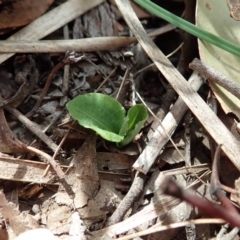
<point x="51" y="21"/>
<point x="196" y="104"/>
<point x="123" y="81"/>
<point x="33" y="127"/>
<point x="106" y="79"/>
<point x="61" y="46"/>
<point x="223" y="235"/>
<point x="166" y="128"/>
<point x="215" y="76"/>
<point x="158" y="227"/>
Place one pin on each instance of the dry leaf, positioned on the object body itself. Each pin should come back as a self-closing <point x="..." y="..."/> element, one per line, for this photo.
<point x="20" y="13"/>
<point x="83" y="176"/>
<point x="234" y="7"/>
<point x="8" y="143"/>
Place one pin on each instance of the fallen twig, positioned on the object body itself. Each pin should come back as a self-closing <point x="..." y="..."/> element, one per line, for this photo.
<point x="51" y="21"/>
<point x="169" y="187"/>
<point x="62" y="46"/>
<point x="50" y="160"/>
<point x="33" y="127"/>
<point x="215" y="76"/>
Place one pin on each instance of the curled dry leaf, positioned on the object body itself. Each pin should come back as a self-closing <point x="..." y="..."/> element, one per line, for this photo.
<point x="234" y="7"/>
<point x="8" y="143"/>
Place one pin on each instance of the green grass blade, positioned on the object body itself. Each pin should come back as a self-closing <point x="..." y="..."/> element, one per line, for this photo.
<point x="189" y="27"/>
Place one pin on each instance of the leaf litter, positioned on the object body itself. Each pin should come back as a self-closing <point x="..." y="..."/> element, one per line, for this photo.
<point x="65" y="178"/>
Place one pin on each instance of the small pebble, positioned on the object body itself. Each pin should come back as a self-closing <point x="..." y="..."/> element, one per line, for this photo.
<point x="35" y="208"/>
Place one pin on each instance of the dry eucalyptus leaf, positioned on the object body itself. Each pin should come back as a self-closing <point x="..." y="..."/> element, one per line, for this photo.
<point x="83" y="176"/>
<point x="20" y="13"/>
<point x="213" y="16"/>
<point x="234" y="7"/>
<point x="8" y="143"/>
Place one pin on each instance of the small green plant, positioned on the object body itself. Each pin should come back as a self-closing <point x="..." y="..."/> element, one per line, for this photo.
<point x="107" y="117"/>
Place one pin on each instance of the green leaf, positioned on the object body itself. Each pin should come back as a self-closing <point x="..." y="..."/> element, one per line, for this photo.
<point x="133" y="123"/>
<point x="99" y="112"/>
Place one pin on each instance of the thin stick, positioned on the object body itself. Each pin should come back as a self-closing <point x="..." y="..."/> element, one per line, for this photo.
<point x="33" y="127"/>
<point x="215" y="76"/>
<point x="57" y="151"/>
<point x="158" y="228"/>
<point x="62" y="46"/>
<point x="169" y="187"/>
<point x="51" y="21"/>
<point x="123" y="81"/>
<point x="66" y="73"/>
<point x="51" y="161"/>
<point x="106" y="79"/>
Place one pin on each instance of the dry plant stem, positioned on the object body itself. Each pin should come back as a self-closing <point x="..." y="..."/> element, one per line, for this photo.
<point x="33" y="127"/>
<point x="199" y="108"/>
<point x="158" y="228"/>
<point x="168" y="99"/>
<point x="57" y="151"/>
<point x="66" y="73"/>
<point x="187" y="138"/>
<point x="46" y="87"/>
<point x="62" y="46"/>
<point x="169" y="187"/>
<point x="215" y="76"/>
<point x="106" y="79"/>
<point x="169" y="124"/>
<point x="128" y="200"/>
<point x="51" y="21"/>
<point x="123" y="81"/>
<point x="51" y="161"/>
<point x="56" y="167"/>
<point x="216" y="185"/>
<point x="153" y="64"/>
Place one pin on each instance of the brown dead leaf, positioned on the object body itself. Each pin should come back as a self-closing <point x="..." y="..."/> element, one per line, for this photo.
<point x="83" y="176"/>
<point x="234" y="7"/>
<point x="8" y="143"/>
<point x="20" y="13"/>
